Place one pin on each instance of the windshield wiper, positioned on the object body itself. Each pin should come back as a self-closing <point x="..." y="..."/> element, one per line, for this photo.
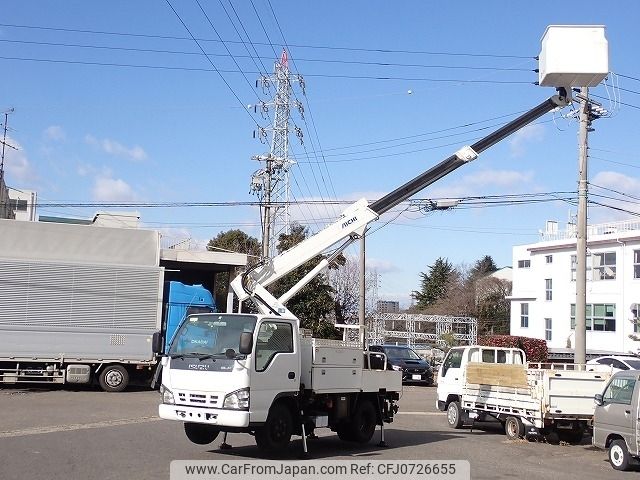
<point x="189" y="354"/>
<point x="207" y="357"/>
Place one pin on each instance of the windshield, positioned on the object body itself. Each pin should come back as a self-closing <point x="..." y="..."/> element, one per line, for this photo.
<point x="211" y="334"/>
<point x="403" y="353"/>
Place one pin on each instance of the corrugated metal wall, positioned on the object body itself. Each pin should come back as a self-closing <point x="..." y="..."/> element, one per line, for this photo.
<point x="42" y="294"/>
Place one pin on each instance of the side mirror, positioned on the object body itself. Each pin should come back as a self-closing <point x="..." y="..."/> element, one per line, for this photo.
<point x="598" y="399"/>
<point x="246" y="342"/>
<point x="156" y="343"/>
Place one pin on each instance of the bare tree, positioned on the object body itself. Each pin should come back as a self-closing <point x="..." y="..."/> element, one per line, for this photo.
<point x="345" y="281"/>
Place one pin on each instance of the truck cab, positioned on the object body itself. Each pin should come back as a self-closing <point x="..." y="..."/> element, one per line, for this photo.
<point x="451" y="371"/>
<point x="616" y="420"/>
<point x="209" y="378"/>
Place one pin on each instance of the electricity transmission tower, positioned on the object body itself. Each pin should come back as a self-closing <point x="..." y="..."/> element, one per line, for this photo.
<point x="271" y="181"/>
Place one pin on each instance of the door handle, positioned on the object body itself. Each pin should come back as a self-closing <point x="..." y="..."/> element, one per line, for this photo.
<point x="292" y="375"/>
<point x="627" y="412"/>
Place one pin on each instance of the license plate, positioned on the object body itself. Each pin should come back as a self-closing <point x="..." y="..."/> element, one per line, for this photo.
<point x="416" y="377"/>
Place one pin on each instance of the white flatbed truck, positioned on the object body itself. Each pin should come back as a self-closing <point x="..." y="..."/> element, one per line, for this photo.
<point x="528" y="399"/>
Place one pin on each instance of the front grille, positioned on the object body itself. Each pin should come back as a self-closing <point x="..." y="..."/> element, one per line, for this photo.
<point x="198" y="399"/>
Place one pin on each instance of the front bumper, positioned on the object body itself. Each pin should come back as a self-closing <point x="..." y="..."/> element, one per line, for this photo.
<point x="211" y="416"/>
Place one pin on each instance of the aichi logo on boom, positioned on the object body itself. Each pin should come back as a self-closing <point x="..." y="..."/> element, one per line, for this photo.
<point x="349" y="222"/>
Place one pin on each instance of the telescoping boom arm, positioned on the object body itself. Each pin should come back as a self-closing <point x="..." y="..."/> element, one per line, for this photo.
<point x="355" y="219"/>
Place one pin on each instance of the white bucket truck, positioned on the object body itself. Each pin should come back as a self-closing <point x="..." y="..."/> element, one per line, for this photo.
<point x="257" y="374"/>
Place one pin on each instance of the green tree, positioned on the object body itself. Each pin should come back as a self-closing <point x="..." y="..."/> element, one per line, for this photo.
<point x="314" y="303"/>
<point x="435" y="284"/>
<point x="482" y="268"/>
<point x="233" y="241"/>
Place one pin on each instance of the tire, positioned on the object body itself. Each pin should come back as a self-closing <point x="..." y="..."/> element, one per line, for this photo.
<point x="113" y="378"/>
<point x="277" y="430"/>
<point x="513" y="428"/>
<point x="454" y="415"/>
<point x="201" y="434"/>
<point x="619" y="457"/>
<point x="363" y="422"/>
<point x="573" y="436"/>
<point x="344" y="432"/>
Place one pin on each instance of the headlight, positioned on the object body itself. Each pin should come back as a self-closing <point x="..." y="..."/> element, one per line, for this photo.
<point x="238" y="400"/>
<point x="167" y="395"/>
<point x="397" y="368"/>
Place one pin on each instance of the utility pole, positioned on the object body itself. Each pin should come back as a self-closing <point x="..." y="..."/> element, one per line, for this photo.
<point x="580" y="349"/>
<point x="271" y="183"/>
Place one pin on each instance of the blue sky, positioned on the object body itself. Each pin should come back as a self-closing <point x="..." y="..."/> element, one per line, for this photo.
<point x="137" y="113"/>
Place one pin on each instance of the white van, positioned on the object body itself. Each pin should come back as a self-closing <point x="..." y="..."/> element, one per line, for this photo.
<point x="451" y="372"/>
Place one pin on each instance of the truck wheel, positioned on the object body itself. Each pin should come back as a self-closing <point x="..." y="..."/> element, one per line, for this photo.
<point x="113" y="378"/>
<point x="454" y="415"/>
<point x="363" y="423"/>
<point x="200" y="433"/>
<point x="619" y="455"/>
<point x="514" y="428"/>
<point x="344" y="431"/>
<point x="277" y="430"/>
<point x="573" y="436"/>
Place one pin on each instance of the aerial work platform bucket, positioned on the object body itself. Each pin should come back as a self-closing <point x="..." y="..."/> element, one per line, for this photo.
<point x="573" y="56"/>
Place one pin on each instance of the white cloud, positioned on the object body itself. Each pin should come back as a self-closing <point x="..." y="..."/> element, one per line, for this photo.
<point x="381" y="266"/>
<point x="617" y="181"/>
<point x="55" y="133"/>
<point x="530" y="134"/>
<point x="620" y="183"/>
<point x="478" y="182"/>
<point x="108" y="189"/>
<point x="112" y="147"/>
<point x="501" y="178"/>
<point x="85" y="169"/>
<point x="16" y="164"/>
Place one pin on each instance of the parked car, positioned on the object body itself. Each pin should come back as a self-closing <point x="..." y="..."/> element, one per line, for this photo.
<point x="402" y="358"/>
<point x="615" y="425"/>
<point x="618" y="363"/>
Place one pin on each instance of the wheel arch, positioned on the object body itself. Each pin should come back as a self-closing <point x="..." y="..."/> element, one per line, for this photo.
<point x="612" y="437"/>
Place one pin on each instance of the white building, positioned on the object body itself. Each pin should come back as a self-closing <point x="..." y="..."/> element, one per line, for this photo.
<point x="387" y="306"/>
<point x="544" y="287"/>
<point x="23" y="203"/>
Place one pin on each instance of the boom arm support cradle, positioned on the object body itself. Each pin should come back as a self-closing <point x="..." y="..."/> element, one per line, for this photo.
<point x="355" y="219"/>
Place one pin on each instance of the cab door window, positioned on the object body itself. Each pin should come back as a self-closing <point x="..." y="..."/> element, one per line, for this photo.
<point x="273" y="338"/>
<point x="453" y="360"/>
<point x="620" y="390"/>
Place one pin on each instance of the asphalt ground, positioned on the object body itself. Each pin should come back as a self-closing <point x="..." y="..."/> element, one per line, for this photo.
<point x="54" y="433"/>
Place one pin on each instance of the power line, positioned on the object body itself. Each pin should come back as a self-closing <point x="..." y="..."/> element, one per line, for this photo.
<point x="229" y="52"/>
<point x="619" y="209"/>
<point x="320" y="47"/>
<point x="619" y="102"/>
<point x="246" y="72"/>
<point x="615" y="191"/>
<point x="614" y="162"/>
<point x="310" y="115"/>
<point x="257" y="56"/>
<point x="182" y="204"/>
<point x="432" y="132"/>
<point x="629" y="77"/>
<point x="211" y="62"/>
